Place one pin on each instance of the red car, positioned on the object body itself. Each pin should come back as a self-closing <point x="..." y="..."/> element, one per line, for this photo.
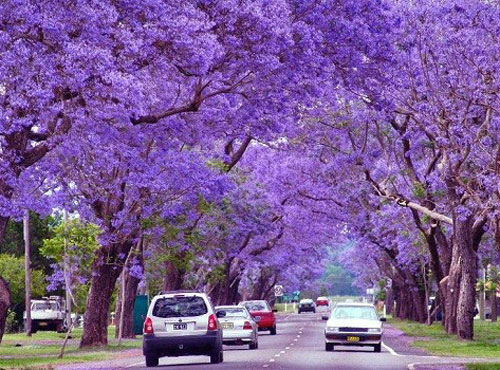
<point x="262" y="314"/>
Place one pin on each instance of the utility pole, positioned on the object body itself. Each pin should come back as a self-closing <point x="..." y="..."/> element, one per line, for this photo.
<point x="66" y="273"/>
<point x="27" y="270"/>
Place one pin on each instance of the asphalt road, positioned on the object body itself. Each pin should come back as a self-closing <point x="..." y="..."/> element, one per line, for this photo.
<point x="299" y="344"/>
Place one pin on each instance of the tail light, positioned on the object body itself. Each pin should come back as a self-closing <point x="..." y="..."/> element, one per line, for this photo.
<point x="247" y="326"/>
<point x="148" y="326"/>
<point x="212" y="322"/>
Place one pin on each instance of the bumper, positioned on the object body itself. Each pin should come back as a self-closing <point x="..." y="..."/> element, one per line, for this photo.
<point x="181" y="345"/>
<point x="353" y="339"/>
<point x="238" y="338"/>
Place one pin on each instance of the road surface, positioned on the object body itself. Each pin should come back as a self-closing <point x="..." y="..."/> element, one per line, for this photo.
<point x="299" y="344"/>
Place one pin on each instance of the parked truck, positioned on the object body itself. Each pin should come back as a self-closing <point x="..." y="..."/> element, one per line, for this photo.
<point x="48" y="314"/>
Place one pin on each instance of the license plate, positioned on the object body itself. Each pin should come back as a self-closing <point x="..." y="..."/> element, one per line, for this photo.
<point x="180" y="326"/>
<point x="227" y="325"/>
<point x="353" y="339"/>
<point x="42" y="324"/>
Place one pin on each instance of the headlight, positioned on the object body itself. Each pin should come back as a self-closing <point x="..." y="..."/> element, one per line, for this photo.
<point x="374" y="330"/>
<point x="332" y="329"/>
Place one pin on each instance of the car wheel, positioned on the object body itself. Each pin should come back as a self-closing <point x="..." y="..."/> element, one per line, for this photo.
<point x="216" y="356"/>
<point x="377" y="347"/>
<point x="151" y="360"/>
<point x="253" y="345"/>
<point x="328" y="347"/>
<point x="273" y="330"/>
<point x="299" y="312"/>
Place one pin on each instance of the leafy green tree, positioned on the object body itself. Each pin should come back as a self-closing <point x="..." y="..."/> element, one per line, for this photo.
<point x="81" y="244"/>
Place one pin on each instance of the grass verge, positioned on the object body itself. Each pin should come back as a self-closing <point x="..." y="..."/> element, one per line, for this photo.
<point x="436" y="341"/>
<point x="483" y="366"/>
<point x="42" y="348"/>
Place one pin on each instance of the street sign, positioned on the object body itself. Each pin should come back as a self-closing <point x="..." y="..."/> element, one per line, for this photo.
<point x="278" y="290"/>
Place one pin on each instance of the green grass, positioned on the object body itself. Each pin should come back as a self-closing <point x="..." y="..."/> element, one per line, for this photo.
<point x="37" y="362"/>
<point x="483" y="366"/>
<point x="42" y="349"/>
<point x="434" y="339"/>
<point x="289" y="307"/>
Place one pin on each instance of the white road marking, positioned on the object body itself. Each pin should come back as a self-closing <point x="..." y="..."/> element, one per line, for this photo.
<point x="277" y="355"/>
<point x="134" y="365"/>
<point x="390" y="350"/>
<point x="271" y="360"/>
<point x="287" y="347"/>
<point x="266" y="365"/>
<point x="282" y="351"/>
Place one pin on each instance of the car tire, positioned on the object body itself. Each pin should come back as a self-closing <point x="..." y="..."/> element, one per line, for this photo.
<point x="152" y="360"/>
<point x="299" y="312"/>
<point x="273" y="330"/>
<point x="217" y="356"/>
<point x="253" y="345"/>
<point x="377" y="347"/>
<point x="329" y="347"/>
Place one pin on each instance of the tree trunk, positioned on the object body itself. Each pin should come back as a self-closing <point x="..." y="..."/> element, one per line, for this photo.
<point x="493" y="300"/>
<point x="95" y="326"/>
<point x="389" y="301"/>
<point x="131" y="285"/>
<point x="468" y="269"/>
<point x="4" y="304"/>
<point x="3" y="230"/>
<point x="173" y="278"/>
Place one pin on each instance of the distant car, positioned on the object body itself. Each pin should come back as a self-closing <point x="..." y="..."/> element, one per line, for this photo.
<point x="48" y="314"/>
<point x="323" y="306"/>
<point x="306" y="305"/>
<point x="182" y="323"/>
<point x="238" y="327"/>
<point x="354" y="324"/>
<point x="262" y="314"/>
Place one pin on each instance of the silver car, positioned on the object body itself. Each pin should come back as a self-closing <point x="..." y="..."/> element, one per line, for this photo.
<point x="182" y="323"/>
<point x="238" y="327"/>
<point x="354" y="324"/>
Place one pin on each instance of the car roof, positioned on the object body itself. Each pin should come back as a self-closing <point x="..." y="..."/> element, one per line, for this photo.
<point x="355" y="304"/>
<point x="321" y="298"/>
<point x="231" y="306"/>
<point x="254" y="300"/>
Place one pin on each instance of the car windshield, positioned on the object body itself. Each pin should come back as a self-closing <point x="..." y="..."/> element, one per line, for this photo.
<point x="354" y="312"/>
<point x="179" y="307"/>
<point x="256" y="306"/>
<point x="233" y="312"/>
<point x="41" y="306"/>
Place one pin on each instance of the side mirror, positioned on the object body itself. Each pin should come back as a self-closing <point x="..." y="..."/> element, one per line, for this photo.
<point x="220" y="314"/>
<point x="384" y="319"/>
<point x="275" y="310"/>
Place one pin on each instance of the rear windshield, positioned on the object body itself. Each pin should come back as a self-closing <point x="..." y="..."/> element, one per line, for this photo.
<point x="353" y="312"/>
<point x="39" y="306"/>
<point x="234" y="312"/>
<point x="179" y="307"/>
<point x="256" y="306"/>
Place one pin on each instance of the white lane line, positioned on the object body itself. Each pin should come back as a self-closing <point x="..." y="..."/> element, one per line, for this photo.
<point x="271" y="360"/>
<point x="282" y="351"/>
<point x="266" y="365"/>
<point x="277" y="355"/>
<point x="390" y="350"/>
<point x="287" y="347"/>
<point x="295" y="340"/>
<point x="298" y="336"/>
<point x="411" y="366"/>
<point x="134" y="365"/>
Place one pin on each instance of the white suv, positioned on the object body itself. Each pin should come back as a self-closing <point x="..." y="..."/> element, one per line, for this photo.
<point x="182" y="323"/>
